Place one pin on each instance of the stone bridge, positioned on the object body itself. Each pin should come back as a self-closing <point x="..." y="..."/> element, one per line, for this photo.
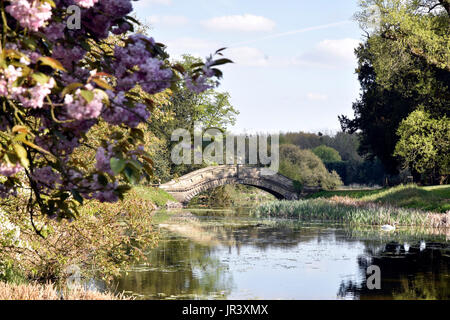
<point x="187" y="187"/>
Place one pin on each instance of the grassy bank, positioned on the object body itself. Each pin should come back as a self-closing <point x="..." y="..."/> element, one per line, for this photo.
<point x="350" y="213"/>
<point x="158" y="196"/>
<point x="436" y="199"/>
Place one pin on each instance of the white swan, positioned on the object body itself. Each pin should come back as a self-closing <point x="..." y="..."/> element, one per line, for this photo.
<point x="388" y="227"/>
<point x="406" y="246"/>
<point x="423" y="245"/>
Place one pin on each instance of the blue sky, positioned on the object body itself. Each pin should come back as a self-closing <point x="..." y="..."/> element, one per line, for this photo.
<point x="294" y="62"/>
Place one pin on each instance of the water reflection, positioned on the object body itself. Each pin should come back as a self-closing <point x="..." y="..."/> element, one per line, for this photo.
<point x="408" y="271"/>
<point x="229" y="257"/>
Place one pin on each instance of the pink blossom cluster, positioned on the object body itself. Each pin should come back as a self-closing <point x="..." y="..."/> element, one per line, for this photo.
<point x="46" y="178"/>
<point x="64" y="127"/>
<point x="7" y="78"/>
<point x="30" y="14"/>
<point x="68" y="56"/>
<point x="103" y="159"/>
<point x="9" y="170"/>
<point x="32" y="97"/>
<point x="118" y="113"/>
<point x="85" y="3"/>
<point x="152" y="75"/>
<point x="6" y="192"/>
<point x="79" y="108"/>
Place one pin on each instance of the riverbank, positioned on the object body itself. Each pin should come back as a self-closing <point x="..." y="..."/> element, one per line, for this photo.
<point x="434" y="199"/>
<point x="350" y="211"/>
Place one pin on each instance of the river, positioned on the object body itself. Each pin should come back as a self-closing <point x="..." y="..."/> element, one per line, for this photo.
<point x="227" y="255"/>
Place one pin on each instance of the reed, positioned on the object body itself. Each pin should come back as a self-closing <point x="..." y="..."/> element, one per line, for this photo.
<point x="349" y="211"/>
<point x="35" y="291"/>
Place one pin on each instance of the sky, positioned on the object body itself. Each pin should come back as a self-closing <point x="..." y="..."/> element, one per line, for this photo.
<point x="294" y="64"/>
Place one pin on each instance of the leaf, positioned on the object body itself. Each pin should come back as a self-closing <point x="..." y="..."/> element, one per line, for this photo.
<point x="220" y="50"/>
<point x="40" y="77"/>
<point x="103" y="84"/>
<point x="117" y="165"/>
<point x="136" y="164"/>
<point x="55" y="64"/>
<point x="77" y="196"/>
<point x="132" y="19"/>
<point x="21" y="154"/>
<point x="32" y="145"/>
<point x="50" y="2"/>
<point x="221" y="62"/>
<point x="179" y="68"/>
<point x="21" y="129"/>
<point x="87" y="95"/>
<point x="70" y="88"/>
<point x="131" y="174"/>
<point x="148" y="160"/>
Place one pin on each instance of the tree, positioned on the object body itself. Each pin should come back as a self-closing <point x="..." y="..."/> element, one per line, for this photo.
<point x="327" y="154"/>
<point x="424" y="144"/>
<point x="56" y="84"/>
<point x="402" y="65"/>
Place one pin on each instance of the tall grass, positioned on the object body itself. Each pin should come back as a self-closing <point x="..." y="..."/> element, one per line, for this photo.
<point x="349" y="213"/>
<point x="34" y="291"/>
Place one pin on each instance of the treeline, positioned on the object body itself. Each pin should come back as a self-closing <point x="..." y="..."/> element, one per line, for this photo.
<point x="339" y="153"/>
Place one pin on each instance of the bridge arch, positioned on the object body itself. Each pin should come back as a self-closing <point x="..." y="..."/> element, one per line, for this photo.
<point x="187" y="187"/>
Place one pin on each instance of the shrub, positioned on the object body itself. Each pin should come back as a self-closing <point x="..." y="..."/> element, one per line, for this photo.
<point x="306" y="168"/>
<point x="104" y="239"/>
<point x="327" y="154"/>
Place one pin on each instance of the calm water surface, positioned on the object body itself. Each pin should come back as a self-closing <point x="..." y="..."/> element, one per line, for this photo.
<point x="212" y="255"/>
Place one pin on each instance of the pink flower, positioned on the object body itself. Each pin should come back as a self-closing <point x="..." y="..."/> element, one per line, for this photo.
<point x="9" y="170"/>
<point x="31" y="15"/>
<point x="80" y="109"/>
<point x="86" y="3"/>
<point x="34" y="97"/>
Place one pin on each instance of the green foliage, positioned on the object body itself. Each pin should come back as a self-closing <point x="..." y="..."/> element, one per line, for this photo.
<point x="105" y="239"/>
<point x="403" y="65"/>
<point x="413" y="28"/>
<point x="327" y="154"/>
<point x="9" y="273"/>
<point x="424" y="144"/>
<point x="368" y="172"/>
<point x="155" y="195"/>
<point x="306" y="168"/>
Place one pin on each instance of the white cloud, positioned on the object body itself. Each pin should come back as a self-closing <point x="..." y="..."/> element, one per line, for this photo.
<point x="247" y="56"/>
<point x="247" y="23"/>
<point x="168" y="21"/>
<point x="145" y="4"/>
<point x="193" y="46"/>
<point x="313" y="96"/>
<point x="330" y="53"/>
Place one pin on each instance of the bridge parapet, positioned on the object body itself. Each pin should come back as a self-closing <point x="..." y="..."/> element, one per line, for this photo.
<point x="186" y="187"/>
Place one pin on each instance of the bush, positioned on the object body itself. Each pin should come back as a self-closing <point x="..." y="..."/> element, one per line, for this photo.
<point x="104" y="239"/>
<point x="306" y="168"/>
<point x="327" y="154"/>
